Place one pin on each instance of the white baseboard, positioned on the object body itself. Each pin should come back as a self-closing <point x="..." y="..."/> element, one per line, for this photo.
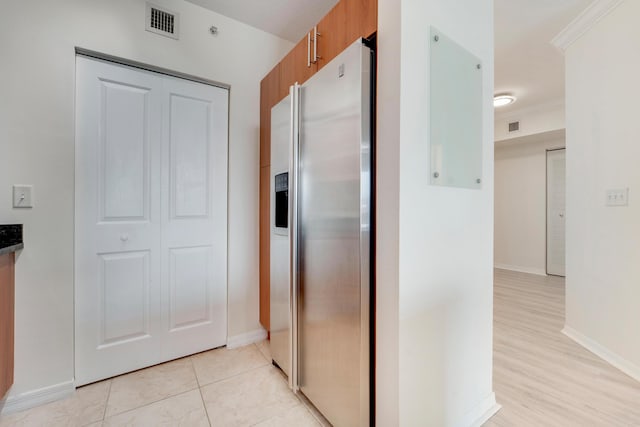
<point x="519" y="269"/>
<point x="604" y="353"/>
<point x="481" y="413"/>
<point x="31" y="399"/>
<point x="246" y="338"/>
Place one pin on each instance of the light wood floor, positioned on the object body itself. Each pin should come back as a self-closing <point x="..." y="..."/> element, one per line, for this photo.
<point x="543" y="378"/>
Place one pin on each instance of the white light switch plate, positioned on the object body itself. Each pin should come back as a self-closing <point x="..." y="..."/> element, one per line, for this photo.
<point x="618" y="197"/>
<point x="23" y="196"/>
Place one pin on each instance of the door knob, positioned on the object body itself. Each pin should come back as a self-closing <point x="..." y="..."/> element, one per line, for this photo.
<point x="124" y="237"/>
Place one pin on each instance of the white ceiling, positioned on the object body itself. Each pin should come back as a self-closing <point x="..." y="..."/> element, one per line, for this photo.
<point x="288" y="19"/>
<point x="526" y="63"/>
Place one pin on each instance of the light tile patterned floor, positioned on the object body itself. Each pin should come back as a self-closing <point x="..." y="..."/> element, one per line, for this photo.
<point x="220" y="387"/>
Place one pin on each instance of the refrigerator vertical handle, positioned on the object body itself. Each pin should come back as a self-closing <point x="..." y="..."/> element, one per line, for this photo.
<point x="293" y="231"/>
<point x="308" y="50"/>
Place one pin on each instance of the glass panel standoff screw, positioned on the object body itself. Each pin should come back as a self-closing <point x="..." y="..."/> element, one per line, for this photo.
<point x="478" y="180"/>
<point x="436" y="38"/>
<point x="436" y="174"/>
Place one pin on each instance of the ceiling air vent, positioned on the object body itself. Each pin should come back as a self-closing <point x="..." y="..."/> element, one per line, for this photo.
<point x="162" y="21"/>
<point x="514" y="126"/>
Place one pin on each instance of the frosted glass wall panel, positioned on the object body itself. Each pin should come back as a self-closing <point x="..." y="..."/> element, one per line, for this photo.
<point x="455" y="114"/>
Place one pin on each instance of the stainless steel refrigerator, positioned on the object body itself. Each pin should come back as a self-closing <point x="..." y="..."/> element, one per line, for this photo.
<point x="321" y="223"/>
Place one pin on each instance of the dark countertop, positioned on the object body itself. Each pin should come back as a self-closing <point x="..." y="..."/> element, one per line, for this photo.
<point x="10" y="238"/>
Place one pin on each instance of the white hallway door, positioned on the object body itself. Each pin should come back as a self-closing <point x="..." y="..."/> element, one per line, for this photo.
<point x="556" y="214"/>
<point x="150" y="218"/>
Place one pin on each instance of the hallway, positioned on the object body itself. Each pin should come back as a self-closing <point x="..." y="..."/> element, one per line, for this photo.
<point x="543" y="378"/>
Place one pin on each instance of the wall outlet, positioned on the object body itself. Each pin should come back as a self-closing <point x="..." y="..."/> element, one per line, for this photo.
<point x="618" y="197"/>
<point x="23" y="196"/>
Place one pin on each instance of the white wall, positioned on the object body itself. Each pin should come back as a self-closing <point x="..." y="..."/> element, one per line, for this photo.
<point x="387" y="217"/>
<point x="37" y="82"/>
<point x="533" y="120"/>
<point x="603" y="152"/>
<point x="435" y="252"/>
<point x="520" y="202"/>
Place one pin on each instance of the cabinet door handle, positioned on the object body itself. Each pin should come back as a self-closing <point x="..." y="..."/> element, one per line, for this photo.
<point x="309" y="49"/>
<point x="315" y="44"/>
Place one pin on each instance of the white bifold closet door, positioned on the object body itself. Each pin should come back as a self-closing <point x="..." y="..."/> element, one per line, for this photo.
<point x="150" y="218"/>
<point x="556" y="215"/>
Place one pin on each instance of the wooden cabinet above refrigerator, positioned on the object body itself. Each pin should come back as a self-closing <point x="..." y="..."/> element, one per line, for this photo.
<point x="344" y="24"/>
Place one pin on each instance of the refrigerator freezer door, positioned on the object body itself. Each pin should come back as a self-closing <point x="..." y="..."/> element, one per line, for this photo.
<point x="334" y="225"/>
<point x="280" y="308"/>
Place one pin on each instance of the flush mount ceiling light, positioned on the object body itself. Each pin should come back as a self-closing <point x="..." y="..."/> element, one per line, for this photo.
<point x="503" y="99"/>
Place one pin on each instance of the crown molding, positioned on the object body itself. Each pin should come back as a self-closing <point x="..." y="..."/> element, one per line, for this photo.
<point x="531" y="138"/>
<point x="584" y="22"/>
